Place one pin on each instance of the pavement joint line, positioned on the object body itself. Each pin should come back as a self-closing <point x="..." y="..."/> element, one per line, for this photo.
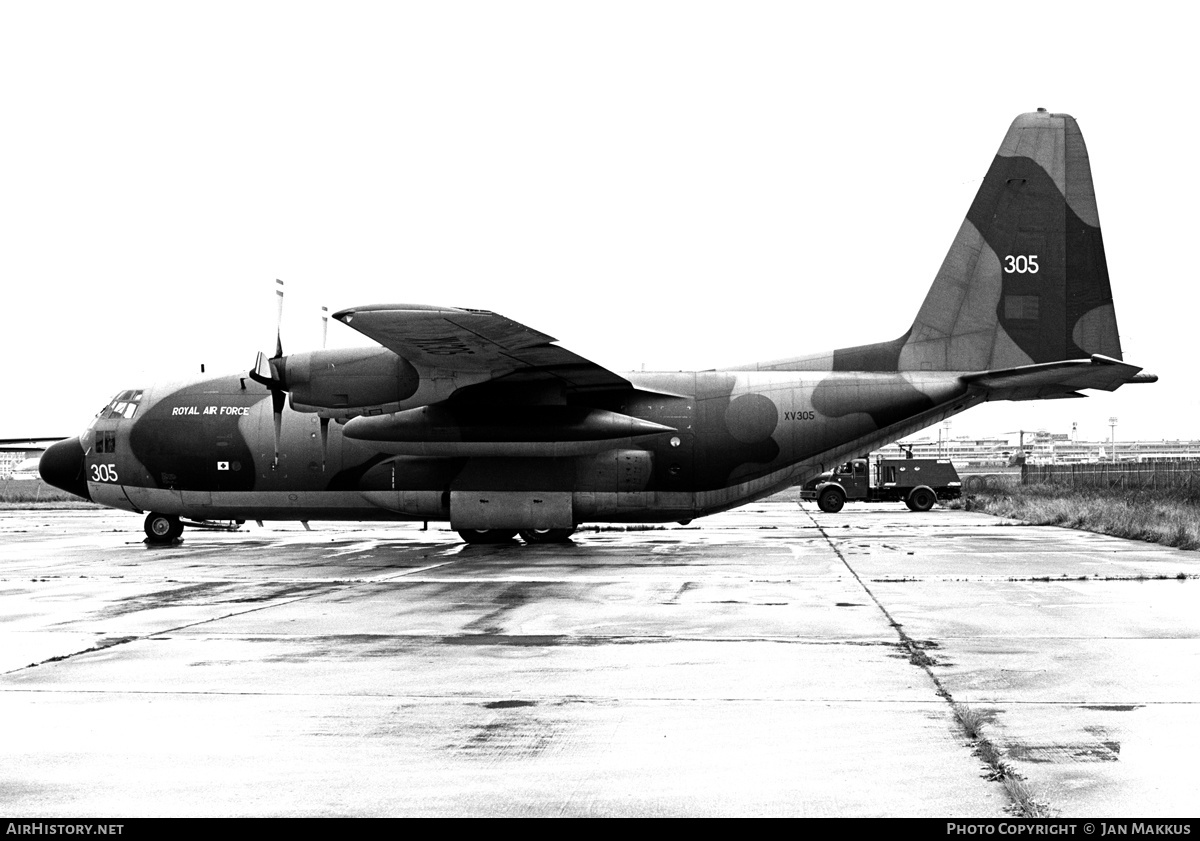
<point x="549" y="701"/>
<point x="405" y="572"/>
<point x="914" y="649"/>
<point x="481" y="697"/>
<point x="984" y="747"/>
<point x="126" y="640"/>
<point x="119" y="641"/>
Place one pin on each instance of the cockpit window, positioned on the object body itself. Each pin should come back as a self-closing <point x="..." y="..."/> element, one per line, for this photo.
<point x="124" y="405"/>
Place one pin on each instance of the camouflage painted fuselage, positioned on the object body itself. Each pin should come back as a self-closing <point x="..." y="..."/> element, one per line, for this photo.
<point x="205" y="450"/>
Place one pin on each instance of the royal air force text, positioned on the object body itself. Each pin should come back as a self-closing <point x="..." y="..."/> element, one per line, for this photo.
<point x="210" y="410"/>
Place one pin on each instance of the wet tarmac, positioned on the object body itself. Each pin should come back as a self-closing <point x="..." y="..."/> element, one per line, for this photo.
<point x="769" y="661"/>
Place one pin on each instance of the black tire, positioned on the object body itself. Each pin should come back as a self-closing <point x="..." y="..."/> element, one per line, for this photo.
<point x="921" y="499"/>
<point x="162" y="528"/>
<point x="488" y="536"/>
<point x="831" y="500"/>
<point x="546" y="535"/>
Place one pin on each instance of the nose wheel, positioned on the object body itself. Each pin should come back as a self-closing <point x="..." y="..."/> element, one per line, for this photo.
<point x="162" y="528"/>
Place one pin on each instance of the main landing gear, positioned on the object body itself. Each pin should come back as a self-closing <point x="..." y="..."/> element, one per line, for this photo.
<point x="492" y="536"/>
<point x="546" y="535"/>
<point x="162" y="528"/>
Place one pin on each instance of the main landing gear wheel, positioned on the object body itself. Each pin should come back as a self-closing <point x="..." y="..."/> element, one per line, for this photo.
<point x="546" y="535"/>
<point x="921" y="499"/>
<point x="162" y="528"/>
<point x="487" y="535"/>
<point x="831" y="500"/>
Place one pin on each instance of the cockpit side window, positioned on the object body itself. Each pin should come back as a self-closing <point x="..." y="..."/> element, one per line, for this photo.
<point x="124" y="405"/>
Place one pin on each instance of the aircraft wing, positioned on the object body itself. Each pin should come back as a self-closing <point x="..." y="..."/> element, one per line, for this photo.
<point x="450" y="339"/>
<point x="1057" y="379"/>
<point x="21" y="444"/>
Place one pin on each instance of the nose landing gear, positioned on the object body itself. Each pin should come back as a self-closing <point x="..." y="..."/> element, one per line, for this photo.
<point x="162" y="528"/>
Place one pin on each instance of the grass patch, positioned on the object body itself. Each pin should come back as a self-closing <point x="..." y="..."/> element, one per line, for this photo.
<point x="970" y="720"/>
<point x="30" y="493"/>
<point x="1023" y="804"/>
<point x="1167" y="517"/>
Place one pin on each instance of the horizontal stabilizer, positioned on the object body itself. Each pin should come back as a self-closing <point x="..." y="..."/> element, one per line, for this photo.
<point x="1056" y="379"/>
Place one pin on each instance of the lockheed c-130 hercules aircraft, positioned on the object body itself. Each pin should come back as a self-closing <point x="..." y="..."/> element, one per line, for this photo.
<point x="465" y="416"/>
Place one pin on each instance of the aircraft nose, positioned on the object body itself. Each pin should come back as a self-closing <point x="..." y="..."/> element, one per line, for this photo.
<point x="62" y="466"/>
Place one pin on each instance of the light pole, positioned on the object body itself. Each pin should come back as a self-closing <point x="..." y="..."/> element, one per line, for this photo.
<point x="1112" y="439"/>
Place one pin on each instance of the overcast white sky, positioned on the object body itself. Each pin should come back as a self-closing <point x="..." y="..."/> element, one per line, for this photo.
<point x="675" y="184"/>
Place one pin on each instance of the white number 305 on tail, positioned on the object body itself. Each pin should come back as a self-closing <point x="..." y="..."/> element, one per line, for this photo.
<point x="1021" y="264"/>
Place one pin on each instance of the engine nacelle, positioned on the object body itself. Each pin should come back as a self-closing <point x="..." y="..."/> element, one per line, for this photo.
<point x="347" y="382"/>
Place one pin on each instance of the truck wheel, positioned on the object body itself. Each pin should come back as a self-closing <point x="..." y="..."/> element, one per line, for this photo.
<point x="921" y="499"/>
<point x="831" y="500"/>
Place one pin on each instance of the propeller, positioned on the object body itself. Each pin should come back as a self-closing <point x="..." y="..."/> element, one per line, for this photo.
<point x="324" y="420"/>
<point x="269" y="372"/>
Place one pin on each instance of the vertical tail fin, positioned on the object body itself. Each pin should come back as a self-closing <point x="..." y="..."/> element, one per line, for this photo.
<point x="1026" y="280"/>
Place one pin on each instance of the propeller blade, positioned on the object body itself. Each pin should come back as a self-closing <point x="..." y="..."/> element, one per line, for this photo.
<point x="278" y="396"/>
<point x="279" y="318"/>
<point x="324" y="442"/>
<point x="261" y="372"/>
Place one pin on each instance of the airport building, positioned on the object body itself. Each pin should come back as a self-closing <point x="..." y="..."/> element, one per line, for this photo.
<point x="1038" y="447"/>
<point x="13" y="464"/>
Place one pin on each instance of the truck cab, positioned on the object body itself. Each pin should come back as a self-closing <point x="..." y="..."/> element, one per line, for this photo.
<point x="853" y="478"/>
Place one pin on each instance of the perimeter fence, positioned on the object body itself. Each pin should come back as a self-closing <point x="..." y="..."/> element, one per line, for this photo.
<point x="1183" y="474"/>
